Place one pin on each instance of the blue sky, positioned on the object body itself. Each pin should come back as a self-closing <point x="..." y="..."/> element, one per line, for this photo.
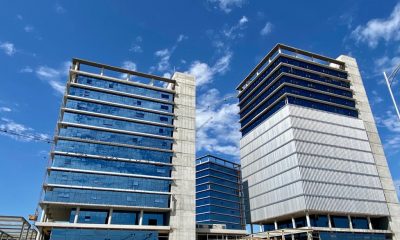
<point x="219" y="41"/>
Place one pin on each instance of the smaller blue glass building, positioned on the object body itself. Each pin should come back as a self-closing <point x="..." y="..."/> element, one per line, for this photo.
<point x="219" y="193"/>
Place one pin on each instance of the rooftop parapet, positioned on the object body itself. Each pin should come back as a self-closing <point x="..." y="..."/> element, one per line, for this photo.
<point x="291" y="51"/>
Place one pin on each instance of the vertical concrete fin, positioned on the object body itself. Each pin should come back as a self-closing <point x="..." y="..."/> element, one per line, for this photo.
<point x="365" y="114"/>
<point x="182" y="220"/>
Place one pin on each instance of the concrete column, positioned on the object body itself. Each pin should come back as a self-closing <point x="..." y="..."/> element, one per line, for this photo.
<point x="350" y="223"/>
<point x="42" y="217"/>
<point x="329" y="221"/>
<point x="141" y="218"/>
<point x="293" y="223"/>
<point x="110" y="216"/>
<point x="182" y="217"/>
<point x="308" y="220"/>
<point x="77" y="214"/>
<point x="276" y="225"/>
<point x="369" y="223"/>
<point x="365" y="114"/>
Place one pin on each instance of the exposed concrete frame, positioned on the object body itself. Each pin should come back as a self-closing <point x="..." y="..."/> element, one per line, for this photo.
<point x="78" y="61"/>
<point x="16" y="228"/>
<point x="278" y="49"/>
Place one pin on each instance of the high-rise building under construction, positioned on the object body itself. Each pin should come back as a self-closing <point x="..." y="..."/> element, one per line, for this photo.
<point x="312" y="161"/>
<point x="123" y="162"/>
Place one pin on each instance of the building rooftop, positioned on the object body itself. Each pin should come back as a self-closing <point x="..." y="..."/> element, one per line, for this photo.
<point x="291" y="51"/>
<point x="217" y="160"/>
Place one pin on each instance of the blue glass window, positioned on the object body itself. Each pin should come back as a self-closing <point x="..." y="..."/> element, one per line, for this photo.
<point x="359" y="222"/>
<point x="340" y="222"/>
<point x="117" y="124"/>
<point x="126" y="100"/>
<point x="319" y="221"/>
<point x="124" y="218"/>
<point x="96" y="164"/>
<point x="113" y="151"/>
<point x="96" y="234"/>
<point x="127" y="88"/>
<point x="105" y="136"/>
<point x="69" y="195"/>
<point x="108" y="181"/>
<point x="117" y="111"/>
<point x="89" y="216"/>
<point x="154" y="219"/>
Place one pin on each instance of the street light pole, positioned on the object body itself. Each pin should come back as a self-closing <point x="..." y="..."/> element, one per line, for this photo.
<point x="391" y="93"/>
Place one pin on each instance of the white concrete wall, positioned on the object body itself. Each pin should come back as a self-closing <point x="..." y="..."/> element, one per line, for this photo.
<point x="301" y="159"/>
<point x="182" y="220"/>
<point x="270" y="169"/>
<point x="379" y="156"/>
<point x="336" y="163"/>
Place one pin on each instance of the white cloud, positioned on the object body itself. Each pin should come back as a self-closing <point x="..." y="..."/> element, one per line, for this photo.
<point x="243" y="20"/>
<point x="20" y="132"/>
<point x="28" y="28"/>
<point x="59" y="8"/>
<point x="386" y="64"/>
<point x="391" y="122"/>
<point x="204" y="73"/>
<point x="135" y="47"/>
<point x="8" y="48"/>
<point x="217" y="124"/>
<point x="5" y="109"/>
<point x="376" y="98"/>
<point x="181" y="37"/>
<point x="376" y="29"/>
<point x="54" y="77"/>
<point x="266" y="29"/>
<point x="164" y="55"/>
<point x="167" y="75"/>
<point x="228" y="5"/>
<point x="26" y="69"/>
<point x="129" y="65"/>
<point x="234" y="31"/>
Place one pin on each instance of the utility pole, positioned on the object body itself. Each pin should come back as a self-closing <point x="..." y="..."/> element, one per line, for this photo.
<point x="389" y="81"/>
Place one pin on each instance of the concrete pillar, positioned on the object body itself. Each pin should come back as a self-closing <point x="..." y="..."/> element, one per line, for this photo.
<point x="276" y="225"/>
<point x="42" y="217"/>
<point x="308" y="220"/>
<point x="182" y="216"/>
<point x="329" y="221"/>
<point x="293" y="223"/>
<point x="350" y="223"/>
<point x="77" y="214"/>
<point x="369" y="223"/>
<point x="110" y="213"/>
<point x="365" y="114"/>
<point x="141" y="218"/>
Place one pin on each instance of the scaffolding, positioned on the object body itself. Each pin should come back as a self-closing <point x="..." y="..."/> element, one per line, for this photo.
<point x="16" y="228"/>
